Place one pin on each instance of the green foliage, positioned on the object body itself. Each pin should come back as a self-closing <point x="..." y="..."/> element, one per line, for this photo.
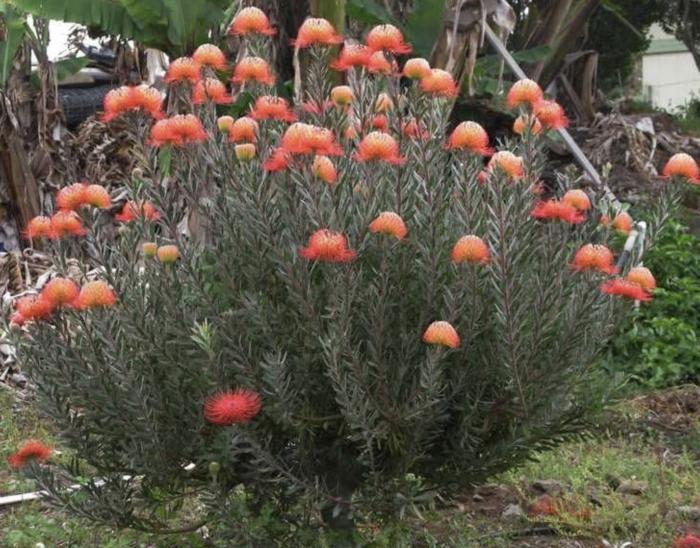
<point x="12" y="25"/>
<point x="659" y="346"/>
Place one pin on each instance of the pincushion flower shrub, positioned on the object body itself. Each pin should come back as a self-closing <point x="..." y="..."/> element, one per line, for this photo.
<point x="298" y="311"/>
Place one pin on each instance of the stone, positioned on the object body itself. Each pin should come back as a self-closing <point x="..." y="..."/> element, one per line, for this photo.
<point x="19" y="379"/>
<point x="689" y="512"/>
<point x="548" y="487"/>
<point x="477" y="498"/>
<point x="632" y="487"/>
<point x="512" y="512"/>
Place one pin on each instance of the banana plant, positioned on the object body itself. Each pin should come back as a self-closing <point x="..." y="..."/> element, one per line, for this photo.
<point x="13" y="25"/>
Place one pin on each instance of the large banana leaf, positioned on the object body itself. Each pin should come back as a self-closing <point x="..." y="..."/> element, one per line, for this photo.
<point x="14" y="33"/>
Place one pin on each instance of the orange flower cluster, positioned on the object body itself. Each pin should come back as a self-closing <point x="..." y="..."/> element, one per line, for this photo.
<point x="547" y="114"/>
<point x="178" y="131"/>
<point x="251" y="20"/>
<point x="328" y="246"/>
<point x="471" y="249"/>
<point x="32" y="450"/>
<point x="622" y="222"/>
<point x="316" y="32"/>
<point x="66" y="221"/>
<point x="508" y="163"/>
<point x="77" y="195"/>
<point x="683" y="166"/>
<point x="389" y="223"/>
<point x="244" y="130"/>
<point x="441" y="334"/>
<point x="132" y="99"/>
<point x="183" y="69"/>
<point x="213" y="90"/>
<point x="471" y="137"/>
<point x="380" y="147"/>
<point x="300" y="138"/>
<point x="232" y="407"/>
<point x="559" y="210"/>
<point x="253" y="69"/>
<point x="324" y="169"/>
<point x="269" y="107"/>
<point x="132" y="211"/>
<point x="387" y="38"/>
<point x="592" y="257"/>
<point x="208" y="55"/>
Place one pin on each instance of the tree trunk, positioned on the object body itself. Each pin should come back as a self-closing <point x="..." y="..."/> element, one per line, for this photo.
<point x="333" y="10"/>
<point x="687" y="33"/>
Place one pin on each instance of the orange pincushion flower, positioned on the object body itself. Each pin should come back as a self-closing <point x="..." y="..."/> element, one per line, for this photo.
<point x="34" y="307"/>
<point x="341" y="96"/>
<point x="551" y="114"/>
<point x="208" y="55"/>
<point x="183" y="69"/>
<point x="303" y="138"/>
<point x="213" y="90"/>
<point x="412" y="129"/>
<point x="245" y="151"/>
<point x="168" y="253"/>
<point x="178" y="131"/>
<point x="627" y="289"/>
<point x="97" y="196"/>
<point x="39" y="227"/>
<point x="622" y="222"/>
<point x="379" y="64"/>
<point x="471" y="249"/>
<point x="592" y="257"/>
<point x="96" y="294"/>
<point x="32" y="450"/>
<point x="387" y="38"/>
<point x="316" y="31"/>
<point x="255" y="69"/>
<point x="442" y="334"/>
<point x="149" y="249"/>
<point x="60" y="291"/>
<point x="353" y="55"/>
<point x="131" y="211"/>
<point x="71" y="197"/>
<point x="507" y="162"/>
<point x="524" y="92"/>
<point x="524" y="122"/>
<point x="416" y="68"/>
<point x="269" y="107"/>
<point x="324" y="169"/>
<point x="643" y="277"/>
<point x="244" y="129"/>
<point x="278" y="161"/>
<point x="470" y="136"/>
<point x="439" y="82"/>
<point x="328" y="246"/>
<point x="132" y="98"/>
<point x="66" y="223"/>
<point x="554" y="209"/>
<point x="682" y="165"/>
<point x="225" y="123"/>
<point x="389" y="223"/>
<point x="577" y="198"/>
<point x="232" y="407"/>
<point x="380" y="122"/>
<point x="251" y="20"/>
<point x="379" y="146"/>
<point x="544" y="506"/>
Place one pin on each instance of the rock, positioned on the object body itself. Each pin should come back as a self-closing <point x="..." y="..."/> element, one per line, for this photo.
<point x="548" y="487"/>
<point x="593" y="495"/>
<point x="612" y="481"/>
<point x="477" y="498"/>
<point x="632" y="487"/>
<point x="19" y="379"/>
<point x="512" y="512"/>
<point x="488" y="489"/>
<point x="689" y="512"/>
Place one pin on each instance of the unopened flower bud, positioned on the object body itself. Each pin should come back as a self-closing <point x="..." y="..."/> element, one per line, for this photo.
<point x="149" y="249"/>
<point x="225" y="123"/>
<point x="214" y="468"/>
<point x="168" y="253"/>
<point x="245" y="152"/>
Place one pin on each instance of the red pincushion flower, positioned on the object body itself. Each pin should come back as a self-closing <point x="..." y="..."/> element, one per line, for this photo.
<point x="328" y="246"/>
<point x="643" y="277"/>
<point x="251" y="20"/>
<point x="379" y="64"/>
<point x="316" y="31"/>
<point x="554" y="209"/>
<point x="508" y="163"/>
<point x="387" y="38"/>
<point x="60" y="292"/>
<point x="253" y="69"/>
<point x="441" y="334"/>
<point x="95" y="294"/>
<point x="524" y="122"/>
<point x="32" y="450"/>
<point x="131" y="211"/>
<point x="324" y="169"/>
<point x="416" y="68"/>
<point x="278" y="161"/>
<point x="39" y="227"/>
<point x="244" y="129"/>
<point x="472" y="137"/>
<point x="352" y="56"/>
<point x="389" y="223"/>
<point x="303" y="138"/>
<point x="34" y="307"/>
<point x="183" y="69"/>
<point x="439" y="82"/>
<point x="213" y="90"/>
<point x="592" y="257"/>
<point x="471" y="249"/>
<point x="381" y="147"/>
<point x="232" y="407"/>
<point x="66" y="223"/>
<point x="97" y="196"/>
<point x="269" y="107"/>
<point x="627" y="289"/>
<point x="413" y="130"/>
<point x="71" y="197"/>
<point x="682" y="165"/>
<point x="577" y="198"/>
<point x="551" y="114"/>
<point x="524" y="92"/>
<point x="380" y="123"/>
<point x="687" y="541"/>
<point x="208" y="55"/>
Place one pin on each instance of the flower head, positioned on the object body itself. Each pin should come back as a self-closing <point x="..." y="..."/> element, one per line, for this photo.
<point x="383" y="103"/>
<point x="622" y="222"/>
<point x="439" y="82"/>
<point x="471" y="249"/>
<point x="132" y="98"/>
<point x="551" y="114"/>
<point x="278" y="161"/>
<point x="269" y="107"/>
<point x="251" y="20"/>
<point x="379" y="64"/>
<point x="66" y="223"/>
<point x="626" y="289"/>
<point x="687" y="541"/>
<point x="524" y="92"/>
<point x="643" y="277"/>
<point x="254" y="69"/>
<point x="208" y="55"/>
<point x="554" y="209"/>
<point x="34" y="307"/>
<point x="39" y="227"/>
<point x="232" y="407"/>
<point x="577" y="198"/>
<point x="149" y="249"/>
<point x="245" y="152"/>
<point x="352" y="56"/>
<point x="303" y="138"/>
<point x="225" y="123"/>
<point x="341" y="96"/>
<point x="183" y="69"/>
<point x="95" y="294"/>
<point x="132" y="211"/>
<point x="178" y="131"/>
<point x="60" y="292"/>
<point x="442" y="334"/>
<point x="471" y="137"/>
<point x="389" y="223"/>
<point x="524" y="122"/>
<point x="416" y="68"/>
<point x="381" y="147"/>
<point x="71" y="197"/>
<point x="387" y="38"/>
<point x="211" y="89"/>
<point x="682" y="165"/>
<point x="324" y="169"/>
<point x="32" y="450"/>
<point x="168" y="254"/>
<point x="97" y="196"/>
<point x="508" y="163"/>
<point x="414" y="130"/>
<point x="593" y="257"/>
<point x="316" y="31"/>
<point x="328" y="246"/>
